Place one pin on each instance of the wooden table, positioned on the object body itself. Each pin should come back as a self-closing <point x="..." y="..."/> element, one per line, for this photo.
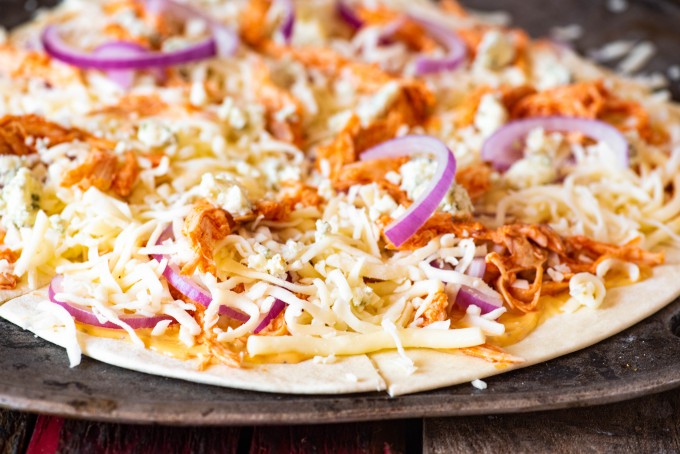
<point x="649" y="424"/>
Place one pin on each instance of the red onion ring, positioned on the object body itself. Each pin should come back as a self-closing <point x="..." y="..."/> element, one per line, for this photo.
<point x="226" y="40"/>
<point x="399" y="231"/>
<point x="456" y="51"/>
<point x="124" y="77"/>
<point x="87" y="317"/>
<point x="274" y="312"/>
<point x="222" y="42"/>
<point x="501" y="148"/>
<point x="468" y="296"/>
<point x="190" y="288"/>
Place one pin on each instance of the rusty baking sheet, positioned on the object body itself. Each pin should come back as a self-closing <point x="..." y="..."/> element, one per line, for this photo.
<point x="34" y="375"/>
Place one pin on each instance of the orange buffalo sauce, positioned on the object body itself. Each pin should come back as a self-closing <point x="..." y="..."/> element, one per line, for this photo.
<point x="519" y="325"/>
<point x="167" y="343"/>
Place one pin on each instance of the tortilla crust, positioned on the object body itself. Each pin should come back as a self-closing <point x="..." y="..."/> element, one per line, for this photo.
<point x="346" y="375"/>
<point x="557" y="336"/>
<point x="21" y="289"/>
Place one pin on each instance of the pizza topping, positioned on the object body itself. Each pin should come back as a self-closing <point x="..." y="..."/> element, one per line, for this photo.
<point x="124" y="78"/>
<point x="222" y="42"/>
<point x="21" y="198"/>
<point x="502" y="152"/>
<point x="273" y="315"/>
<point x="102" y="170"/>
<point x="284" y="112"/>
<point x="585" y="289"/>
<point x="204" y="226"/>
<point x="255" y="201"/>
<point x="224" y="192"/>
<point x="89" y="318"/>
<point x="413" y="30"/>
<point x="348" y="14"/>
<point x="19" y="134"/>
<point x="417" y="173"/>
<point x="418" y="213"/>
<point x="187" y="287"/>
<point x="8" y="281"/>
<point x="469" y="296"/>
<point x="288" y="22"/>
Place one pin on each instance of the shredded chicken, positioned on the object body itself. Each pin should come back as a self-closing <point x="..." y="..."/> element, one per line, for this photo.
<point x="509" y="97"/>
<point x="492" y="354"/>
<point x="26" y="65"/>
<point x="290" y="197"/>
<point x="364" y="76"/>
<point x="454" y="8"/>
<point x="8" y="281"/>
<point x="18" y="134"/>
<point x="205" y="225"/>
<point x="475" y="178"/>
<point x="252" y="23"/>
<point x="8" y="254"/>
<point x="223" y="353"/>
<point x="374" y="171"/>
<point x="283" y="111"/>
<point x="102" y="170"/>
<point x="437" y="309"/>
<point x="137" y="105"/>
<point x="522" y="252"/>
<point x="412" y="107"/>
<point x="438" y="224"/>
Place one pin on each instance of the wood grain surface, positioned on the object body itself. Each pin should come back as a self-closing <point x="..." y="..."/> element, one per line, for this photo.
<point x="647" y="425"/>
<point x="15" y="431"/>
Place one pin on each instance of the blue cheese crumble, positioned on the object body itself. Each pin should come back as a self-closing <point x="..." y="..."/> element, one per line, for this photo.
<point x="226" y="193"/>
<point x="21" y="199"/>
<point x="417" y="174"/>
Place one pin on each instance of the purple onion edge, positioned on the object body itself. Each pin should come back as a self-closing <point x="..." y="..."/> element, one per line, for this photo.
<point x="274" y="312"/>
<point x="79" y="314"/>
<point x="466" y="298"/>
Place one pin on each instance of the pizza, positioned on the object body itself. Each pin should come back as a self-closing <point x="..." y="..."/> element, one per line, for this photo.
<point x="328" y="196"/>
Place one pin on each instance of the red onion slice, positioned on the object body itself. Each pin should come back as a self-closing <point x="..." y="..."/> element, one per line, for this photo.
<point x="226" y="41"/>
<point x="124" y="77"/>
<point x="58" y="49"/>
<point x="456" y="52"/>
<point x="468" y="296"/>
<point x="477" y="267"/>
<point x="222" y="42"/>
<point x="189" y="287"/>
<point x="504" y="148"/>
<point x="347" y="14"/>
<point x="420" y="211"/>
<point x="288" y="24"/>
<point x="274" y="312"/>
<point x="87" y="317"/>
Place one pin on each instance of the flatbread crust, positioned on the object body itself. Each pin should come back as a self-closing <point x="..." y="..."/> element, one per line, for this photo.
<point x="559" y="335"/>
<point x="343" y="376"/>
